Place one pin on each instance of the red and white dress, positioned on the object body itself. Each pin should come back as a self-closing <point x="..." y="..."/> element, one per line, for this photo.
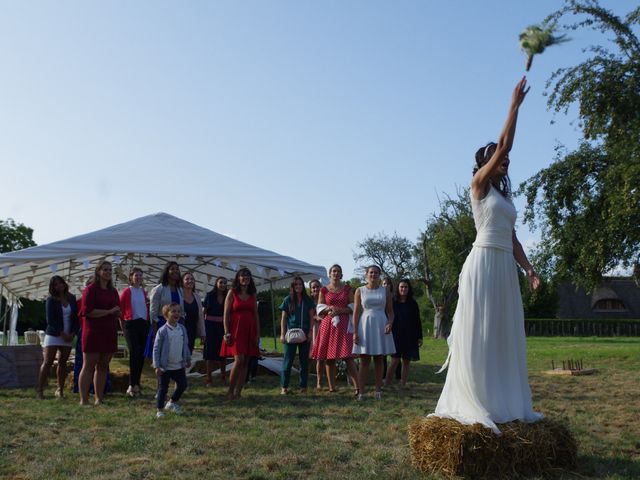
<point x="334" y="342"/>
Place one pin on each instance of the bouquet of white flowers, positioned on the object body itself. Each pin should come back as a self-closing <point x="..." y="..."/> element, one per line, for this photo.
<point x="536" y="38"/>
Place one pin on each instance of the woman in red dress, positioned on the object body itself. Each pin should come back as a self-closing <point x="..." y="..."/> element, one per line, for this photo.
<point x="100" y="312"/>
<point x="241" y="329"/>
<point x="334" y="341"/>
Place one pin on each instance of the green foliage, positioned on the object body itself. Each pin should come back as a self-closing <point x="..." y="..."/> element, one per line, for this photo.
<point x="393" y="254"/>
<point x="588" y="208"/>
<point x="587" y="202"/>
<point x="14" y="236"/>
<point x="31" y="315"/>
<point x="446" y="242"/>
<point x="541" y="303"/>
<point x="448" y="239"/>
<point x="265" y="312"/>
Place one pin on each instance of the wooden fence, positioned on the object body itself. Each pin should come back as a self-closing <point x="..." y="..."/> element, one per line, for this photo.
<point x="581" y="328"/>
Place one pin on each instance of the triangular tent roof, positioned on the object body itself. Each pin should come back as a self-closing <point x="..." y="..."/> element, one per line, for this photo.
<point x="148" y="242"/>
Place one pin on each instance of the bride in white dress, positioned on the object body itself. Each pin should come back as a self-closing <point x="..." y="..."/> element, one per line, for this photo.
<point x="487" y="381"/>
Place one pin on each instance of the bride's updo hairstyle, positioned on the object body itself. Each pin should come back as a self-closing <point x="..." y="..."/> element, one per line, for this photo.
<point x="483" y="155"/>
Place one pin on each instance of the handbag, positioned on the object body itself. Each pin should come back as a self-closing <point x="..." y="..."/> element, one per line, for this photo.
<point x="296" y="335"/>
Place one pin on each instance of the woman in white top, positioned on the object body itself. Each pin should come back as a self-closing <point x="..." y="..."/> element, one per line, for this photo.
<point x="166" y="292"/>
<point x="62" y="325"/>
<point x="135" y="326"/>
<point x="372" y="322"/>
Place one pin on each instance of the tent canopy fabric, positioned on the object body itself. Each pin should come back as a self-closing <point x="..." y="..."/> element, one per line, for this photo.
<point x="149" y="243"/>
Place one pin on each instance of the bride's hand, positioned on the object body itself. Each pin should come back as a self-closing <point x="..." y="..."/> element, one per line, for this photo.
<point x="519" y="93"/>
<point x="534" y="280"/>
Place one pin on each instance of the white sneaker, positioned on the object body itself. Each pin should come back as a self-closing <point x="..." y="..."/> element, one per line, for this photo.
<point x="159" y="414"/>
<point x="130" y="392"/>
<point x="174" y="407"/>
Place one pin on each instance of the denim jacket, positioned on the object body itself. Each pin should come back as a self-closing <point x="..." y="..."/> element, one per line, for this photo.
<point x="55" y="323"/>
<point x="161" y="347"/>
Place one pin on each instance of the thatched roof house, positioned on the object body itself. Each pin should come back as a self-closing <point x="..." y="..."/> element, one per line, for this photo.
<point x="616" y="298"/>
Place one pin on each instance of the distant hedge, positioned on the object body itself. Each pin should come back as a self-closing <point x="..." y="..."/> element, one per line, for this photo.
<point x="555" y="327"/>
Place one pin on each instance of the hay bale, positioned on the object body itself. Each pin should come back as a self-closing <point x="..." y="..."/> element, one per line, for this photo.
<point x="445" y="446"/>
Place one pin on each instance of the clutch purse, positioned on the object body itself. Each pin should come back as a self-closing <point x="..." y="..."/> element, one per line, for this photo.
<point x="295" y="335"/>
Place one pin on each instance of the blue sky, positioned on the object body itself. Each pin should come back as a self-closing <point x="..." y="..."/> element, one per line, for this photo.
<point x="300" y="127"/>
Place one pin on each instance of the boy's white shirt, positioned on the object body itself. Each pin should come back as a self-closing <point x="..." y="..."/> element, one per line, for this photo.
<point x="174" y="359"/>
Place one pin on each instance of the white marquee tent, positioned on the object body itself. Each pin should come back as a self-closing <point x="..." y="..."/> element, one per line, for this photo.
<point x="148" y="242"/>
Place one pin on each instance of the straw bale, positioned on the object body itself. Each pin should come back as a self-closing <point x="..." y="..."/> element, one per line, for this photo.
<point x="447" y="447"/>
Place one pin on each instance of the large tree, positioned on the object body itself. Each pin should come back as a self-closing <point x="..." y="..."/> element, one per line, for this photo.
<point x="392" y="253"/>
<point x="14" y="236"/>
<point x="443" y="248"/>
<point x="587" y="202"/>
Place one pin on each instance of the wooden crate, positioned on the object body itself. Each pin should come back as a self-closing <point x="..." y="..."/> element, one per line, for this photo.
<point x="19" y="366"/>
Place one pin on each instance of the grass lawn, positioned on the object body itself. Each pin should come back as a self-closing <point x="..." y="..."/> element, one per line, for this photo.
<point x="316" y="435"/>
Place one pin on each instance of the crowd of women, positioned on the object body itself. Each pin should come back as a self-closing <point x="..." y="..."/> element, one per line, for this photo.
<point x="487" y="378"/>
<point x="329" y="324"/>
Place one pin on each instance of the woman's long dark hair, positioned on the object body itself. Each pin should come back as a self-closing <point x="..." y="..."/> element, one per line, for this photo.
<point x="164" y="278"/>
<point x="409" y="290"/>
<point x="483" y="155"/>
<point x="293" y="298"/>
<point x="251" y="289"/>
<point x="214" y="291"/>
<point x="52" y="289"/>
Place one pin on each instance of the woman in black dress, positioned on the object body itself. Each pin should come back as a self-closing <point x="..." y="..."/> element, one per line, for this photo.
<point x="407" y="331"/>
<point x="192" y="309"/>
<point x="213" y="307"/>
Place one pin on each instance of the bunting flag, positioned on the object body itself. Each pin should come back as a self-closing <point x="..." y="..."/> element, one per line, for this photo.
<point x="260" y="270"/>
<point x="54" y="267"/>
<point x="281" y="272"/>
<point x="234" y="266"/>
<point x="5" y="271"/>
<point x="33" y="268"/>
<point x="85" y="263"/>
<point x="216" y="262"/>
<point x="29" y="280"/>
<point x="116" y="259"/>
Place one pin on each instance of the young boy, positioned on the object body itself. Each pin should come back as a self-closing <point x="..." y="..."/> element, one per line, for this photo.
<point x="170" y="357"/>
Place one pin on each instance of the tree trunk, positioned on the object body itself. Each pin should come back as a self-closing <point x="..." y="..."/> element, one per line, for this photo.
<point x="441" y="323"/>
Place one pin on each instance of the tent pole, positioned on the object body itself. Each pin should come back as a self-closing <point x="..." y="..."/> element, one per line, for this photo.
<point x="5" y="341"/>
<point x="273" y="316"/>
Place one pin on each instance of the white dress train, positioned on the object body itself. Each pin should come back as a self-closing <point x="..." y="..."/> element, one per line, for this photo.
<point x="487" y="381"/>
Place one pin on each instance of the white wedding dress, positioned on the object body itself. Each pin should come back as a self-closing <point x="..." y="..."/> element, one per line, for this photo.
<point x="487" y="380"/>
